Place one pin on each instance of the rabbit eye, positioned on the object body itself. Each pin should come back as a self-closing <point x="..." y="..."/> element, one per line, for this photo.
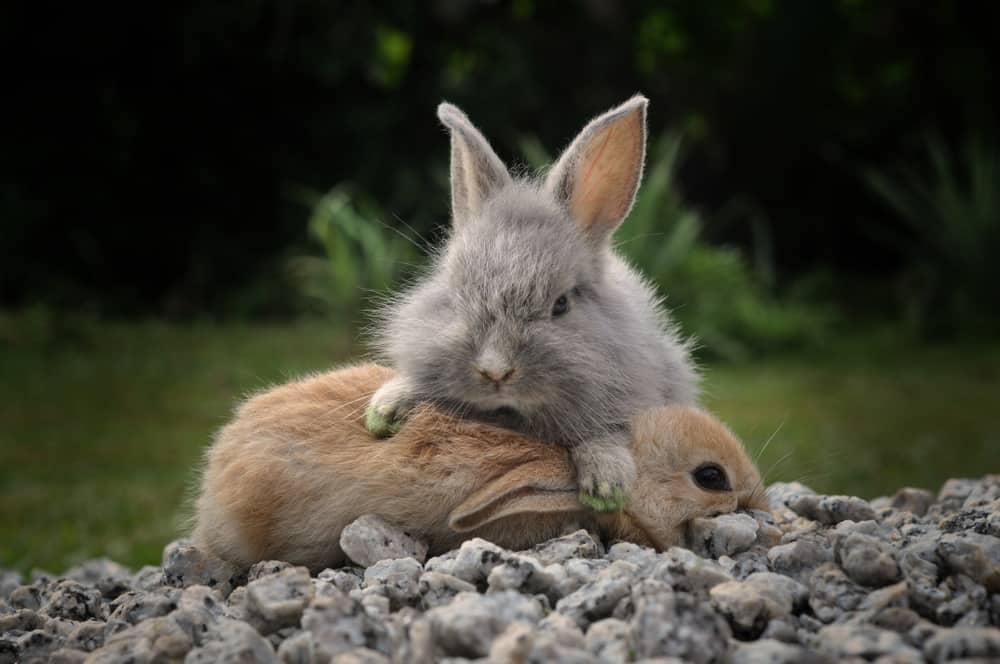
<point x="711" y="477"/>
<point x="561" y="306"/>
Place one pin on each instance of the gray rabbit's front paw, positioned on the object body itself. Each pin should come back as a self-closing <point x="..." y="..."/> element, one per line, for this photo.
<point x="605" y="473"/>
<point x="388" y="408"/>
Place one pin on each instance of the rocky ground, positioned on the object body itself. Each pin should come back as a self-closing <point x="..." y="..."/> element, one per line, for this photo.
<point x="909" y="578"/>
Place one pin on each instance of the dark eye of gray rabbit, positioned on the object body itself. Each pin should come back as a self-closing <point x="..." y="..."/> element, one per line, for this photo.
<point x="711" y="477"/>
<point x="561" y="306"/>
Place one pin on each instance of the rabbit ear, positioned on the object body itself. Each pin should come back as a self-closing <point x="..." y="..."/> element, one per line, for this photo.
<point x="596" y="178"/>
<point x="531" y="488"/>
<point x="476" y="170"/>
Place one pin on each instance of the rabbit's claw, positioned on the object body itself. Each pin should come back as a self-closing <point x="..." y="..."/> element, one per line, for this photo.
<point x="611" y="499"/>
<point x="378" y="424"/>
<point x="388" y="408"/>
<point x="605" y="473"/>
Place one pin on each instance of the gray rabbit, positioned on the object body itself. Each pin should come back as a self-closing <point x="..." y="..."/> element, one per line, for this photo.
<point x="528" y="318"/>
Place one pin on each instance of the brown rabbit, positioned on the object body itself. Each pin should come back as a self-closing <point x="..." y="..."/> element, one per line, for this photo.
<point x="297" y="465"/>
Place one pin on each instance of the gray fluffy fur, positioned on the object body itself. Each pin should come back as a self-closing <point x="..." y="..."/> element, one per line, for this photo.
<point x="488" y="299"/>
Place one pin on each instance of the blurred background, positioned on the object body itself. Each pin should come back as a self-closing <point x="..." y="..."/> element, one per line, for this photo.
<point x="201" y="199"/>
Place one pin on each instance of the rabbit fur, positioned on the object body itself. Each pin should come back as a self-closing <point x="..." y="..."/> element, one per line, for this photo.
<point x="296" y="465"/>
<point x="528" y="318"/>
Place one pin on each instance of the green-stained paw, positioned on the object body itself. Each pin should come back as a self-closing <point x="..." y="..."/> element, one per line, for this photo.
<point x="605" y="499"/>
<point x="378" y="424"/>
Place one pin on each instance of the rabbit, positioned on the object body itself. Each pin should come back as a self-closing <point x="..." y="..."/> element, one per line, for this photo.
<point x="528" y="318"/>
<point x="296" y="465"/>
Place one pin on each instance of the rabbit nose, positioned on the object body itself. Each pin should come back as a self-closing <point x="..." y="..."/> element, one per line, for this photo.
<point x="494" y="366"/>
<point x="495" y="375"/>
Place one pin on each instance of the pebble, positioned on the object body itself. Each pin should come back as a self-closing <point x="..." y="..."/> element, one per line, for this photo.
<point x="337" y="624"/>
<point x="773" y="652"/>
<point x="472" y="562"/>
<point x="278" y="599"/>
<point x="800" y="558"/>
<point x="107" y="576"/>
<point x="696" y="573"/>
<point x="783" y="493"/>
<point x="72" y="600"/>
<point x="977" y="556"/>
<point x="86" y="636"/>
<point x="914" y="501"/>
<point x="266" y="568"/>
<point x="134" y="607"/>
<point x="344" y="579"/>
<point x="232" y="642"/>
<point x="865" y="641"/>
<point x="579" y="544"/>
<point x="67" y="656"/>
<point x="468" y="624"/>
<point x="830" y="510"/>
<point x="437" y="588"/>
<point x="185" y="565"/>
<point x="832" y="594"/>
<point x="371" y="539"/>
<point x="868" y="560"/>
<point x="963" y="643"/>
<point x="750" y="605"/>
<point x="610" y="640"/>
<point x="677" y="624"/>
<point x="155" y="639"/>
<point x="397" y="579"/>
<point x="598" y="598"/>
<point x="724" y="535"/>
<point x="524" y="574"/>
<point x="149" y="577"/>
<point x="361" y="656"/>
<point x="911" y="577"/>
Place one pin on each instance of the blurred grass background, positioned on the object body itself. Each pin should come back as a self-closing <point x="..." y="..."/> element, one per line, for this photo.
<point x="202" y="200"/>
<point x="100" y="435"/>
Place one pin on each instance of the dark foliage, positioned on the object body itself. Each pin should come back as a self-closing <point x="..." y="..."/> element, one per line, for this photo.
<point x="152" y="151"/>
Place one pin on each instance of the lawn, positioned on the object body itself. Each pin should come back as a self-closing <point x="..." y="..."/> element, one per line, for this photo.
<point x="101" y="431"/>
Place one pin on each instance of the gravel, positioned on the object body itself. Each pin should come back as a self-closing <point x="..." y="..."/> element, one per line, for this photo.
<point x="906" y="578"/>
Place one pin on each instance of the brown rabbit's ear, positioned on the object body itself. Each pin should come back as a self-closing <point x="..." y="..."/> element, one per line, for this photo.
<point x="476" y="170"/>
<point x="528" y="489"/>
<point x="598" y="175"/>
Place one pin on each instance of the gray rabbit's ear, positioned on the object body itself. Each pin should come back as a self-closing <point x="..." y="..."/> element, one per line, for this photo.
<point x="598" y="175"/>
<point x="476" y="170"/>
<point x="531" y="488"/>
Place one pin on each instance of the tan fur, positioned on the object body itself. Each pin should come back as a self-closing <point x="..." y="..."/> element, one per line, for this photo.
<point x="296" y="465"/>
<point x="608" y="172"/>
<point x="599" y="173"/>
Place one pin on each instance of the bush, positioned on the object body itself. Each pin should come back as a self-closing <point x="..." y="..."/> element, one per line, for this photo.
<point x="951" y="212"/>
<point x="361" y="255"/>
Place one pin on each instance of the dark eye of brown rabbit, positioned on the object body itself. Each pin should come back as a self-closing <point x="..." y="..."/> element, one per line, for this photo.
<point x="711" y="477"/>
<point x="561" y="306"/>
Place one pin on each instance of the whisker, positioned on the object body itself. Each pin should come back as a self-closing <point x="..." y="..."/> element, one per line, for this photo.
<point x="814" y="474"/>
<point x="641" y="236"/>
<point x="777" y="463"/>
<point x="426" y="244"/>
<point x="768" y="441"/>
<point x="401" y="233"/>
<point x="363" y="399"/>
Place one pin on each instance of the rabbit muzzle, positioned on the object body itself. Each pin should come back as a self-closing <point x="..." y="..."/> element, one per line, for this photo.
<point x="494" y="368"/>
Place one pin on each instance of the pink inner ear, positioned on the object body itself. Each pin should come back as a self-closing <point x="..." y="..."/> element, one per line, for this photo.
<point x="607" y="174"/>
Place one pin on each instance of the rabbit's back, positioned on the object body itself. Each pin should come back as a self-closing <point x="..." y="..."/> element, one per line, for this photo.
<point x="286" y="451"/>
<point x="296" y="465"/>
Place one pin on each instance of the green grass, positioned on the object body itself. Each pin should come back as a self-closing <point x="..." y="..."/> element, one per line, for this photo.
<point x="100" y="435"/>
<point x="99" y="438"/>
<point x="866" y="420"/>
